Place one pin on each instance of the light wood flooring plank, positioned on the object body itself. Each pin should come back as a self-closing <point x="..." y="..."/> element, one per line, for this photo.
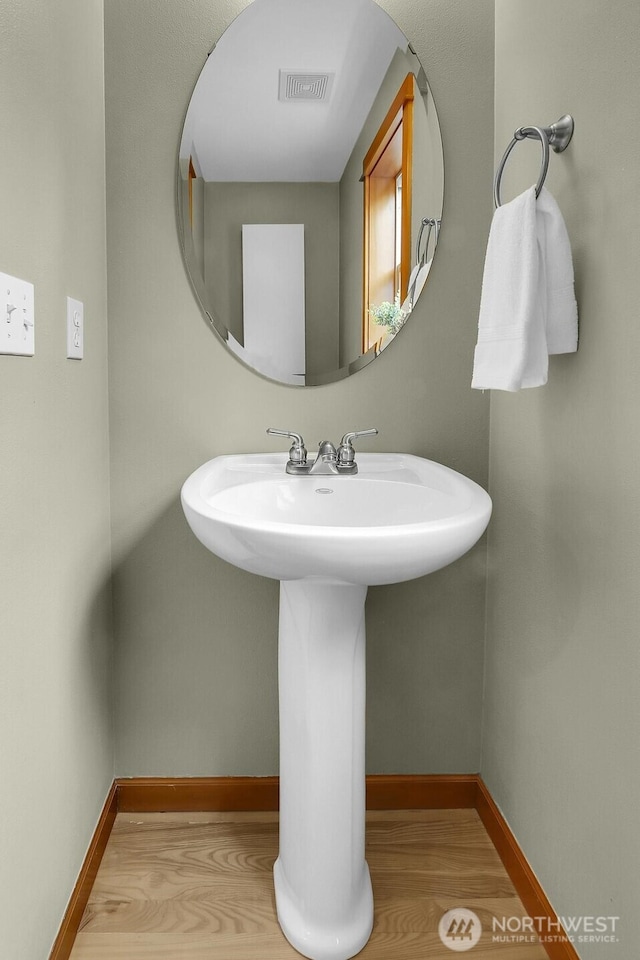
<point x="381" y="946"/>
<point x="200" y="887"/>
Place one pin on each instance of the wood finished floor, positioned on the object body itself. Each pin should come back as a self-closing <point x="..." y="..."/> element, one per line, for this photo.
<point x="198" y="886"/>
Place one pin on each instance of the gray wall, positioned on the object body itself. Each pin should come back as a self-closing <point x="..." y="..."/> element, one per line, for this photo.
<point x="562" y="708"/>
<point x="56" y="749"/>
<point x="196" y="638"/>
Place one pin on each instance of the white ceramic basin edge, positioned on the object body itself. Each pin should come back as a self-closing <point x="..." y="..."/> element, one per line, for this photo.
<point x="399" y="518"/>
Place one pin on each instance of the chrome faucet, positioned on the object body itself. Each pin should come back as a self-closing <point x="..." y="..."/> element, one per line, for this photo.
<point x="329" y="461"/>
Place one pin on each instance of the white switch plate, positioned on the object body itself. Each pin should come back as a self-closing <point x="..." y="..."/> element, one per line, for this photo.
<point x="75" y="329"/>
<point x="17" y="316"/>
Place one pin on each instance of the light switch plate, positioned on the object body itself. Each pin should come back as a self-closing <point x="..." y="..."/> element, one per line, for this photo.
<point x="75" y="329"/>
<point x="17" y="316"/>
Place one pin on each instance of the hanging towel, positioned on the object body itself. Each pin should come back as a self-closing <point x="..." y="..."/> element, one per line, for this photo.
<point x="528" y="308"/>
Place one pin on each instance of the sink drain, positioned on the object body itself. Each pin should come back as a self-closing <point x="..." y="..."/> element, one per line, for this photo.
<point x="324" y="490"/>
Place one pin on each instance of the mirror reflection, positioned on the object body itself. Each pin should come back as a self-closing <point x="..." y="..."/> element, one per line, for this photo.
<point x="310" y="184"/>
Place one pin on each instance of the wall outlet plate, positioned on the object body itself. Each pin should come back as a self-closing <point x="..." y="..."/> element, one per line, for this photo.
<point x="17" y="316"/>
<point x="75" y="329"/>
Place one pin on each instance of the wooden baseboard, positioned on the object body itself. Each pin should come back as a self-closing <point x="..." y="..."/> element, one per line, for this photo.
<point x="185" y="794"/>
<point x="80" y="896"/>
<point x="533" y="897"/>
<point x="384" y="792"/>
<point x="421" y="791"/>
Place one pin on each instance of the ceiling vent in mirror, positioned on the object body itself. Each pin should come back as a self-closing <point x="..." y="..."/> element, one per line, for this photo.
<point x="303" y="85"/>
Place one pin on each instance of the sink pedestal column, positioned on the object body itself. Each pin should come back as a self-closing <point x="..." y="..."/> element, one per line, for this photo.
<point x="323" y="889"/>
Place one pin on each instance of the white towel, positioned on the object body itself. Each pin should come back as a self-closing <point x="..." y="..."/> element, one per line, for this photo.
<point x="528" y="308"/>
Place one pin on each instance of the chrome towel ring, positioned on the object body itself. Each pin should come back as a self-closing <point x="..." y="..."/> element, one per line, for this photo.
<point x="556" y="136"/>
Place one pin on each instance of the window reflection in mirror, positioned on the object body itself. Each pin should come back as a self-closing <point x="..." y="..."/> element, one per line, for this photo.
<point x="387" y="221"/>
<point x="281" y="129"/>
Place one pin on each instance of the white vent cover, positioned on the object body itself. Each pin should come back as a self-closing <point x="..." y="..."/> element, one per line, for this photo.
<point x="303" y="85"/>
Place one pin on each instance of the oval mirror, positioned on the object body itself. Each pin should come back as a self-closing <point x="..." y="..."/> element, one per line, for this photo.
<point x="310" y="186"/>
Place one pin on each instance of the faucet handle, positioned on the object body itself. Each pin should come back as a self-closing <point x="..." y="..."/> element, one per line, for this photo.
<point x="298" y="451"/>
<point x="346" y="453"/>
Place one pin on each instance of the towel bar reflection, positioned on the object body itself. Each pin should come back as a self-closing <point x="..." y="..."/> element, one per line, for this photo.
<point x="556" y="136"/>
<point x="433" y="223"/>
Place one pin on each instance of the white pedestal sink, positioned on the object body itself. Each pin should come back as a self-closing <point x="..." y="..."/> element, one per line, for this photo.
<point x="327" y="538"/>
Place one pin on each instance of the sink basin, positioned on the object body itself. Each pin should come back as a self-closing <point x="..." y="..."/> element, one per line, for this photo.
<point x="400" y="517"/>
<point x="327" y="538"/>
